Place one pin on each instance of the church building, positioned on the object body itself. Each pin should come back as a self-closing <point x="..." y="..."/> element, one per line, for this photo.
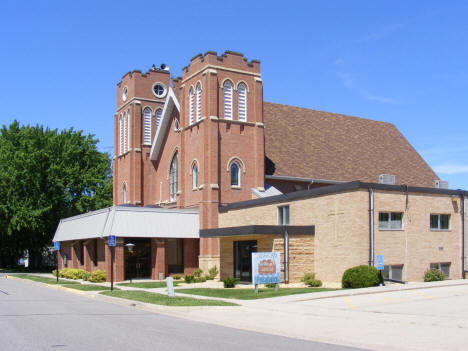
<point x="205" y="173"/>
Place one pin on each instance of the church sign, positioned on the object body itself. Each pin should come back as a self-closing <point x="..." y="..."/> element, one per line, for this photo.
<point x="266" y="268"/>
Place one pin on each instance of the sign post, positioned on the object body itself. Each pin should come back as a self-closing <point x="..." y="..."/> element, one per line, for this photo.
<point x="111" y="244"/>
<point x="380" y="267"/>
<point x="266" y="269"/>
<point x="57" y="249"/>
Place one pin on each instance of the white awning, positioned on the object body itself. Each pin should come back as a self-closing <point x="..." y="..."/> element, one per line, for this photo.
<point x="130" y="222"/>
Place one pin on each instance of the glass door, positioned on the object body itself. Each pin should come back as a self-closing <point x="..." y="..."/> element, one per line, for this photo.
<point x="243" y="259"/>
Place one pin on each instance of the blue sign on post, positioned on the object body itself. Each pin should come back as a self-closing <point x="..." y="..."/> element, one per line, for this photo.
<point x="266" y="268"/>
<point x="111" y="241"/>
<point x="57" y="245"/>
<point x="380" y="265"/>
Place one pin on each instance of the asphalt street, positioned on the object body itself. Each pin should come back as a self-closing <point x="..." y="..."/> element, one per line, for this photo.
<point x="35" y="317"/>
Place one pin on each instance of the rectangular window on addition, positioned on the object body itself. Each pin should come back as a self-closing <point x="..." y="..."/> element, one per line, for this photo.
<point x="443" y="267"/>
<point x="390" y="220"/>
<point x="393" y="273"/>
<point x="440" y="222"/>
<point x="283" y="215"/>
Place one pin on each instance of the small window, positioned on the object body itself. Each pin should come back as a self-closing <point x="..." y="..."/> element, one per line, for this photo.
<point x="242" y="102"/>
<point x="198" y="102"/>
<point x="124" y="94"/>
<point x="191" y="105"/>
<point x="124" y="194"/>
<point x="159" y="90"/>
<point x="235" y="175"/>
<point x="393" y="272"/>
<point x="173" y="186"/>
<point x="227" y="90"/>
<point x="390" y="220"/>
<point x="158" y="115"/>
<point x="443" y="267"/>
<point x="195" y="177"/>
<point x="440" y="222"/>
<point x="147" y="126"/>
<point x="81" y="253"/>
<point x="176" y="125"/>
<point x="283" y="215"/>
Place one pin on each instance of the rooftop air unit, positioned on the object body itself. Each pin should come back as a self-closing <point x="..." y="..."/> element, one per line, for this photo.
<point x="387" y="179"/>
<point x="441" y="184"/>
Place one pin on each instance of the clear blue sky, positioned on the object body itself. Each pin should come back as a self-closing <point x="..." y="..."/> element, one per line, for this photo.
<point x="404" y="62"/>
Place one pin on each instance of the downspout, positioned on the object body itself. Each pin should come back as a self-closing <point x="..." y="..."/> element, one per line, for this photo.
<point x="463" y="216"/>
<point x="286" y="256"/>
<point x="371" y="227"/>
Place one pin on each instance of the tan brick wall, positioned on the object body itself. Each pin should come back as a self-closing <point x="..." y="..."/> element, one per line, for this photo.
<point x="416" y="246"/>
<point x="342" y="232"/>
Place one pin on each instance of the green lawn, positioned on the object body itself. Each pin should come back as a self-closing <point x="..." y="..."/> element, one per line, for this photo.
<point x="147" y="285"/>
<point x="159" y="299"/>
<point x="45" y="280"/>
<point x="249" y="294"/>
<point x="87" y="287"/>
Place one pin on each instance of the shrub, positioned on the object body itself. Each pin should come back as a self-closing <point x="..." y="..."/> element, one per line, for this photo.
<point x="71" y="273"/>
<point x="200" y="280"/>
<point x="177" y="277"/>
<point x="213" y="272"/>
<point x="54" y="272"/>
<point x="230" y="282"/>
<point x="270" y="285"/>
<point x="198" y="272"/>
<point x="98" y="276"/>
<point x="189" y="279"/>
<point x="360" y="277"/>
<point x="207" y="277"/>
<point x="309" y="280"/>
<point x="434" y="275"/>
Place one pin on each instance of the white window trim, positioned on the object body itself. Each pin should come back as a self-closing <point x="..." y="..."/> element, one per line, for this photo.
<point x="239" y="174"/>
<point x="198" y="100"/>
<point x="191" y="106"/>
<point x="157" y="122"/>
<point x="280" y="214"/>
<point x="147" y="125"/>
<point x="390" y="217"/>
<point x="239" y="103"/>
<point x="163" y="94"/>
<point x="438" y="229"/>
<point x="228" y="100"/>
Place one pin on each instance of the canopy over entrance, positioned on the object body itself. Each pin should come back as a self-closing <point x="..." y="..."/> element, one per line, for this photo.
<point x="128" y="222"/>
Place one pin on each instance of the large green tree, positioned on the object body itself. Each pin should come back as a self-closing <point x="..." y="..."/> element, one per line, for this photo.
<point x="46" y="175"/>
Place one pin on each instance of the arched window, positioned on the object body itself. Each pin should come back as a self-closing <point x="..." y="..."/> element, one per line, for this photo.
<point x="227" y="89"/>
<point x="235" y="174"/>
<point x="194" y="176"/>
<point x="147" y="126"/>
<point x="124" y="194"/>
<point x="121" y="131"/>
<point x="198" y="102"/>
<point x="173" y="179"/>
<point x="125" y="131"/>
<point x="191" y="105"/>
<point x="242" y="102"/>
<point x="158" y="115"/>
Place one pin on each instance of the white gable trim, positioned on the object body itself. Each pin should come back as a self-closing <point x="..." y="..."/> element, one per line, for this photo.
<point x="171" y="102"/>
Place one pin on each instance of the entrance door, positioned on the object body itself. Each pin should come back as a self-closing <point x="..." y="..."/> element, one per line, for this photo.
<point x="138" y="261"/>
<point x="243" y="259"/>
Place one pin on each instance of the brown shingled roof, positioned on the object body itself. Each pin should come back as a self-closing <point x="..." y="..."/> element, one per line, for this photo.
<point x="307" y="143"/>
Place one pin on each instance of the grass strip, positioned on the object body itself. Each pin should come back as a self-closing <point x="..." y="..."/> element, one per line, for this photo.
<point x="159" y="299"/>
<point x="147" y="285"/>
<point x="45" y="280"/>
<point x="249" y="294"/>
<point x="87" y="287"/>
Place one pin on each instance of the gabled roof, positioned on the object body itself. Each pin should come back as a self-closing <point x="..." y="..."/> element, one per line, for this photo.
<point x="307" y="143"/>
<point x="171" y="102"/>
<point x="126" y="221"/>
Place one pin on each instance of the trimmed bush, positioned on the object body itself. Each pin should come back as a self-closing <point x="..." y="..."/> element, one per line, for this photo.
<point x="309" y="280"/>
<point x="360" y="277"/>
<point x="177" y="277"/>
<point x="85" y="276"/>
<point x="70" y="273"/>
<point x="213" y="272"/>
<point x="434" y="275"/>
<point x="200" y="280"/>
<point x="98" y="276"/>
<point x="198" y="272"/>
<point x="230" y="282"/>
<point x="270" y="285"/>
<point x="189" y="279"/>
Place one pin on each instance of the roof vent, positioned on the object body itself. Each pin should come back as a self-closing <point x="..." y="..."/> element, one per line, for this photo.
<point x="441" y="184"/>
<point x="387" y="179"/>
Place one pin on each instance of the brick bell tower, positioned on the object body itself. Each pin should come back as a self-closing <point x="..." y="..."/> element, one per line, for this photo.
<point x="221" y="109"/>
<point x="140" y="100"/>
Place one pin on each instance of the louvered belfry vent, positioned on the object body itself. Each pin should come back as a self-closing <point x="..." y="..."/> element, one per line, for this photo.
<point x="387" y="179"/>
